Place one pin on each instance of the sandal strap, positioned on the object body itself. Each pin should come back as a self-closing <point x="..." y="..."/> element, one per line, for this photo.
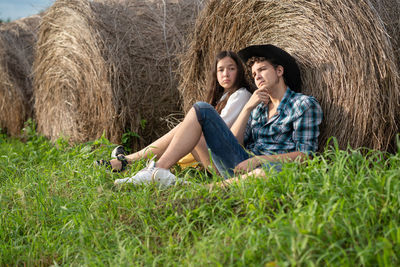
<point x="123" y="161"/>
<point x="104" y="163"/>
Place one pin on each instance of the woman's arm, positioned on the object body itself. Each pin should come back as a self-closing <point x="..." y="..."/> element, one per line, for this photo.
<point x="234" y="106"/>
<point x="239" y="126"/>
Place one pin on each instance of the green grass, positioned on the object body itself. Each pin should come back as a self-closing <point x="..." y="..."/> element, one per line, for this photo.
<point x="339" y="209"/>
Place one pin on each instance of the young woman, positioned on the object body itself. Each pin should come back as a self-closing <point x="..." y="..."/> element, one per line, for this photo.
<point x="228" y="92"/>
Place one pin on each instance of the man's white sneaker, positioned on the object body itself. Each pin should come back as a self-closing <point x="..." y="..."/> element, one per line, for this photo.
<point x="150" y="174"/>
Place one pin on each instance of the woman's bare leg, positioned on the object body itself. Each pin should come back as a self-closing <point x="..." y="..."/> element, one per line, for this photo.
<point x="160" y="146"/>
<point x="184" y="141"/>
<point x="200" y="153"/>
<point x="156" y="148"/>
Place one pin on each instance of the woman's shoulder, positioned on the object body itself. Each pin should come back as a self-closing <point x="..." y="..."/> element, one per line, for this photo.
<point x="242" y="92"/>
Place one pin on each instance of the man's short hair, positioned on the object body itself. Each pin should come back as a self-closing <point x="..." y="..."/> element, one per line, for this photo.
<point x="250" y="62"/>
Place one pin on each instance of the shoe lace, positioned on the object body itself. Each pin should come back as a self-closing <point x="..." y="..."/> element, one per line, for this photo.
<point x="151" y="163"/>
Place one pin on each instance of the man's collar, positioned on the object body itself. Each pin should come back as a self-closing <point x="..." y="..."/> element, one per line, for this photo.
<point x="284" y="101"/>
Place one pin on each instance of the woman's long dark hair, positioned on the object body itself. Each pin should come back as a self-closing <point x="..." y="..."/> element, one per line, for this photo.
<point x="215" y="90"/>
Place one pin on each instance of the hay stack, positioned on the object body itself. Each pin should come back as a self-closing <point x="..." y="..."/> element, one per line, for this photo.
<point x="343" y="49"/>
<point x="17" y="40"/>
<point x="108" y="66"/>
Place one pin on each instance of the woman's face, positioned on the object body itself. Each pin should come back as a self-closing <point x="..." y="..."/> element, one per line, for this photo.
<point x="227" y="72"/>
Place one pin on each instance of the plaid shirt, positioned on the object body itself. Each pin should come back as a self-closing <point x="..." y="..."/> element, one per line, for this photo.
<point x="294" y="127"/>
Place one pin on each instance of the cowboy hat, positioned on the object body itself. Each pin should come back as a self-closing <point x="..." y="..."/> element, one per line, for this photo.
<point x="291" y="71"/>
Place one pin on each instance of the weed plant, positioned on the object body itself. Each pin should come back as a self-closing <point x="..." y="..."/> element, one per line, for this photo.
<point x="340" y="208"/>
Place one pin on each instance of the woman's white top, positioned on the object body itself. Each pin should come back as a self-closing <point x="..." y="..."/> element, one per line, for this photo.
<point x="234" y="105"/>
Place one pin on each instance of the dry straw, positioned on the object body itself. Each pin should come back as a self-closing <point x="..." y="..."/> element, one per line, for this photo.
<point x="17" y="40"/>
<point x="389" y="12"/>
<point x="343" y="47"/>
<point x="109" y="66"/>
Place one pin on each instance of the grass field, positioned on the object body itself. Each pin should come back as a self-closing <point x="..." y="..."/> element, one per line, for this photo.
<point x="339" y="209"/>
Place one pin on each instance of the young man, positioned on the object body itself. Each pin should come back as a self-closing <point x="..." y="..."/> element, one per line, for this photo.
<point x="277" y="124"/>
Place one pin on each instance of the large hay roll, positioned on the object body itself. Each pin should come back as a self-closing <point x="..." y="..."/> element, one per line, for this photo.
<point x="343" y="49"/>
<point x="17" y="40"/>
<point x="108" y="66"/>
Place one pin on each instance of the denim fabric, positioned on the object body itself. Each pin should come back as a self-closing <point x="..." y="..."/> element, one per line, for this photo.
<point x="226" y="152"/>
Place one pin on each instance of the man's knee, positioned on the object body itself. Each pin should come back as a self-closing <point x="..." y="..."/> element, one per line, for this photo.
<point x="203" y="110"/>
<point x="201" y="105"/>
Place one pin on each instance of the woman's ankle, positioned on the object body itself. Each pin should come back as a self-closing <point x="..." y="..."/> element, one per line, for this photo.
<point x="116" y="164"/>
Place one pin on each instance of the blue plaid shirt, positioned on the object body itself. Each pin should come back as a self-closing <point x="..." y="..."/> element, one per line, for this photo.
<point x="294" y="127"/>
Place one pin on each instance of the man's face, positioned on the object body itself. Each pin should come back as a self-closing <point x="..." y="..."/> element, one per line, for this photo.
<point x="266" y="75"/>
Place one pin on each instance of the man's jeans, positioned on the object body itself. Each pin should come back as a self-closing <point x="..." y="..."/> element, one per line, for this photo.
<point x="226" y="152"/>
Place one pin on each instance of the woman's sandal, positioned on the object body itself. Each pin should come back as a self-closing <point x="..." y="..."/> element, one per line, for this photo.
<point x="119" y="150"/>
<point x="108" y="165"/>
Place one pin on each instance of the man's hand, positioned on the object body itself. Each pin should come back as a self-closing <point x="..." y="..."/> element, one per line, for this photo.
<point x="247" y="165"/>
<point x="257" y="173"/>
<point x="221" y="184"/>
<point x="259" y="95"/>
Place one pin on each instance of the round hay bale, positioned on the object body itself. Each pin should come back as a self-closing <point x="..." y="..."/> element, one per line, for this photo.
<point x="109" y="66"/>
<point x="17" y="40"/>
<point x="343" y="50"/>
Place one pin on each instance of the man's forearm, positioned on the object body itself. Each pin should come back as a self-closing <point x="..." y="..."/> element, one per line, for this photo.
<point x="291" y="156"/>
<point x="253" y="163"/>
